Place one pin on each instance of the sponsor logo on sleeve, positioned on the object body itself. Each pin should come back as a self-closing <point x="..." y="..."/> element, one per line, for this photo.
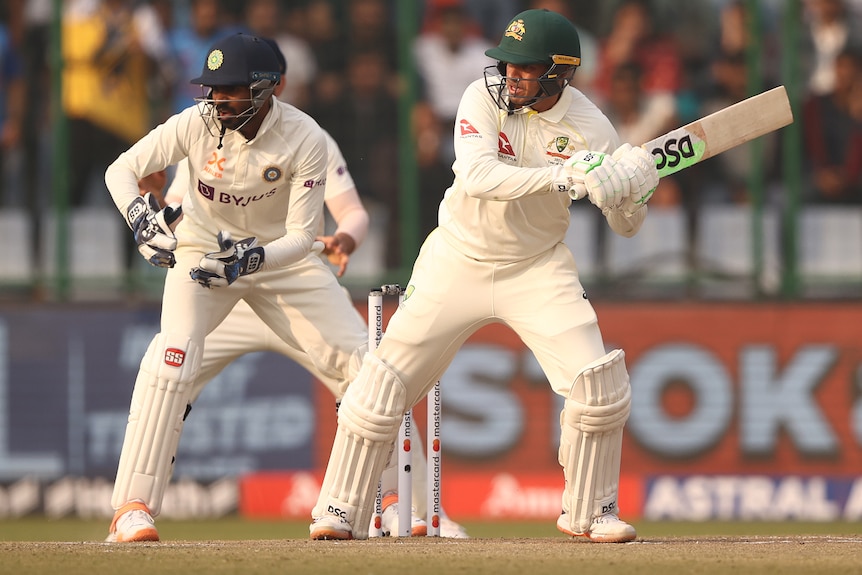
<point x="467" y="129"/>
<point x="312" y="183"/>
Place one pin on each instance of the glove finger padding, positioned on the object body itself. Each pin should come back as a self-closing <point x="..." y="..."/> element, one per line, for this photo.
<point x="228" y="254"/>
<point x="605" y="186"/>
<point x="222" y="268"/>
<point x="217" y="262"/>
<point x="157" y="257"/>
<point x="596" y="174"/>
<point x="151" y="227"/>
<point x="208" y="279"/>
<point x="644" y="175"/>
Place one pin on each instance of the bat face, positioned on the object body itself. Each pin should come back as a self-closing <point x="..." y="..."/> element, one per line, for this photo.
<point x="677" y="150"/>
<point x="720" y="131"/>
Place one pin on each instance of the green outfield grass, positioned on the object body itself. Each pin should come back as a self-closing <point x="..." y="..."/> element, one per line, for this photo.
<point x="232" y="545"/>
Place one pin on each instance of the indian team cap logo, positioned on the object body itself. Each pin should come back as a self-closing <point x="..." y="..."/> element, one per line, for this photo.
<point x="215" y="59"/>
<point x="516" y="30"/>
<point x="271" y="174"/>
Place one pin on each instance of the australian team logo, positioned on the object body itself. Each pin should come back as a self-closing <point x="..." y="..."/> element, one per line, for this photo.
<point x="560" y="148"/>
<point x="408" y="292"/>
<point x="561" y="142"/>
<point x="215" y="60"/>
<point x="271" y="174"/>
<point x="516" y="30"/>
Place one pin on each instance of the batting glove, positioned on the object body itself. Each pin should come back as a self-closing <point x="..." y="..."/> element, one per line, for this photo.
<point x="151" y="226"/>
<point x="639" y="168"/>
<point x="595" y="175"/>
<point x="222" y="268"/>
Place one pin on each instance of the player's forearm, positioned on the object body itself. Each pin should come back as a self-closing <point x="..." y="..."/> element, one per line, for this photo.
<point x="303" y="221"/>
<point x="122" y="183"/>
<point x="499" y="182"/>
<point x="179" y="186"/>
<point x="355" y="226"/>
<point x="349" y="214"/>
<point x="288" y="249"/>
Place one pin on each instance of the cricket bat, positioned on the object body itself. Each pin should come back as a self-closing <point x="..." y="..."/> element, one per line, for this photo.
<point x="720" y="131"/>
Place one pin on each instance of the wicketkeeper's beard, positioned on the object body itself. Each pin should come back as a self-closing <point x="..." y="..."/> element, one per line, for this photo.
<point x="231" y="120"/>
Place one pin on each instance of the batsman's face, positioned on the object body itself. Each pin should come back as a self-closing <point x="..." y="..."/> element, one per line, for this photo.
<point x="233" y="105"/>
<point x="521" y="82"/>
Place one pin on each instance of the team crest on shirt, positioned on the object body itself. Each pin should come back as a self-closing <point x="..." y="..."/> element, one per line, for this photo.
<point x="516" y="30"/>
<point x="559" y="150"/>
<point x="271" y="174"/>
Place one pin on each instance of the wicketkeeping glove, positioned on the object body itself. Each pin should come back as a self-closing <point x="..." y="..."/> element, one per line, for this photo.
<point x="222" y="268"/>
<point x="642" y="175"/>
<point x="595" y="175"/>
<point x="152" y="228"/>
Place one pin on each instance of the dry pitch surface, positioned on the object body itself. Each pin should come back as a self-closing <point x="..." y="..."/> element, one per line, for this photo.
<point x="532" y="556"/>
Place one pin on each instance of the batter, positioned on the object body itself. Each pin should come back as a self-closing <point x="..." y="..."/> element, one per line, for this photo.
<point x="526" y="144"/>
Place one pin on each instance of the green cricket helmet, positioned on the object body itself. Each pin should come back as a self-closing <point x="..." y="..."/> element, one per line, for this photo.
<point x="535" y="37"/>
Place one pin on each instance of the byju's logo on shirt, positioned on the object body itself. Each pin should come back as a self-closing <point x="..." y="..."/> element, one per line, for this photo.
<point x="206" y="191"/>
<point x="209" y="193"/>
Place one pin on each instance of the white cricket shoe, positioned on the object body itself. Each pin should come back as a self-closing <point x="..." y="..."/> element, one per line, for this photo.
<point x="330" y="527"/>
<point x="607" y="528"/>
<point x="452" y="530"/>
<point x="132" y="522"/>
<point x="418" y="527"/>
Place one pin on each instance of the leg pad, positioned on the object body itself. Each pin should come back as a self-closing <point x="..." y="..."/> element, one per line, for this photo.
<point x="591" y="439"/>
<point x="159" y="404"/>
<point x="368" y="422"/>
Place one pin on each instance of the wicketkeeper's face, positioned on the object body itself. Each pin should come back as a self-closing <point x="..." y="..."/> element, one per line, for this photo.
<point x="233" y="105"/>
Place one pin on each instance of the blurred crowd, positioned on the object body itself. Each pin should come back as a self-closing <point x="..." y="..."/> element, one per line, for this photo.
<point x="651" y="64"/>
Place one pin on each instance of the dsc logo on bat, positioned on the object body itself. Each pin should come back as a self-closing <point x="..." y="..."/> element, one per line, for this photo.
<point x="673" y="152"/>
